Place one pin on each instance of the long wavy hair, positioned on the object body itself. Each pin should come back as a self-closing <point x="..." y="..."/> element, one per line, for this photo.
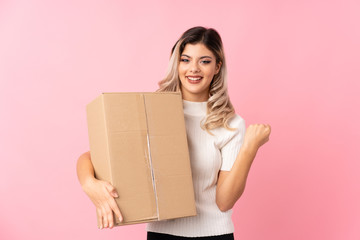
<point x="219" y="108"/>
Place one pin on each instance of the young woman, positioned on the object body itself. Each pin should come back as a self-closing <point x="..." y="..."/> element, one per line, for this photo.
<point x="221" y="151"/>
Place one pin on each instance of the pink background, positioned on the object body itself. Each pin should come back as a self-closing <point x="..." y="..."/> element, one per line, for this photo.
<point x="293" y="64"/>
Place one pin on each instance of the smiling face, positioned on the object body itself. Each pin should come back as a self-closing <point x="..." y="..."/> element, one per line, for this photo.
<point x="197" y="68"/>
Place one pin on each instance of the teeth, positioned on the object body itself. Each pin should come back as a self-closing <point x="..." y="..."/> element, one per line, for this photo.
<point x="194" y="79"/>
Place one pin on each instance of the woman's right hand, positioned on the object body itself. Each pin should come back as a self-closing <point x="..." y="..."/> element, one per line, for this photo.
<point x="102" y="194"/>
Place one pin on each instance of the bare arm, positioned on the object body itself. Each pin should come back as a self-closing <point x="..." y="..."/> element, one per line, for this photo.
<point x="231" y="184"/>
<point x="85" y="169"/>
<point x="101" y="193"/>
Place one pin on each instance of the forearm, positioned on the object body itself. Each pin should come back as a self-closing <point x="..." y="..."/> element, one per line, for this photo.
<point x="231" y="188"/>
<point x="85" y="169"/>
<point x="101" y="193"/>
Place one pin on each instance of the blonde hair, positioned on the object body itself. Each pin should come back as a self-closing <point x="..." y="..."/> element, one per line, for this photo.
<point x="219" y="108"/>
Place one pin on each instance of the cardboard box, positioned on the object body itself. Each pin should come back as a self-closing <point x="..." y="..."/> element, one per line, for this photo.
<point x="138" y="143"/>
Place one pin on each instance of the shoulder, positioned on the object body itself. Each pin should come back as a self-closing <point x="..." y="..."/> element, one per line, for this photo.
<point x="237" y="122"/>
<point x="224" y="136"/>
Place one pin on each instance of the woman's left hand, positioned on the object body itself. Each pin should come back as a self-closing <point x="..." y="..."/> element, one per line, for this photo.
<point x="256" y="135"/>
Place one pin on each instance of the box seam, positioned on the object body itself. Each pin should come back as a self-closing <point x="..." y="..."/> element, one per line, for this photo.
<point x="150" y="159"/>
<point x="107" y="138"/>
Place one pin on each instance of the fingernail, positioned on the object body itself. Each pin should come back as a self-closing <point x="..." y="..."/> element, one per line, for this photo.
<point x="121" y="219"/>
<point x="116" y="195"/>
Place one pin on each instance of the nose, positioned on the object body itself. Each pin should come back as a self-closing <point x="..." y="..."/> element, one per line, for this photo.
<point x="194" y="68"/>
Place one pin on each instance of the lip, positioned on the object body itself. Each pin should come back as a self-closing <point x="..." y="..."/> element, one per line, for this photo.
<point x="194" y="77"/>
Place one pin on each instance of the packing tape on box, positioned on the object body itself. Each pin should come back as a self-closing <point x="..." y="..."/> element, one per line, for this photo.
<point x="150" y="159"/>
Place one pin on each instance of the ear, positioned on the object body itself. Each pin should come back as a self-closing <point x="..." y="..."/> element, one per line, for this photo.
<point x="218" y="67"/>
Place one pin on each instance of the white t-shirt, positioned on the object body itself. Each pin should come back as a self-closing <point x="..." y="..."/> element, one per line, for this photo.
<point x="208" y="155"/>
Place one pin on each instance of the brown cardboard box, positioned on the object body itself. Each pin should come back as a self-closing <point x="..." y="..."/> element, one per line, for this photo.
<point x="138" y="144"/>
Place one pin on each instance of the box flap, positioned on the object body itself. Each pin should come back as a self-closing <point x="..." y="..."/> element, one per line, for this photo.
<point x="129" y="156"/>
<point x="170" y="156"/>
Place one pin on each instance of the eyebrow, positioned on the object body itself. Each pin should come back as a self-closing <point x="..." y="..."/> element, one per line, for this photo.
<point x="184" y="55"/>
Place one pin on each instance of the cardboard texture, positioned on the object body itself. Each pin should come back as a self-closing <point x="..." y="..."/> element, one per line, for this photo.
<point x="138" y="143"/>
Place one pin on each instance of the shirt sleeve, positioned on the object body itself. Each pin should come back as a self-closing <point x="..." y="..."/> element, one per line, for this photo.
<point x="232" y="144"/>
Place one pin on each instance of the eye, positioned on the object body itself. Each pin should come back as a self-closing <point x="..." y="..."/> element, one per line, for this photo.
<point x="184" y="60"/>
<point x="206" y="61"/>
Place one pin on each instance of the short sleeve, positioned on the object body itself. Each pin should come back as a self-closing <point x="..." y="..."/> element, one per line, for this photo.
<point x="232" y="143"/>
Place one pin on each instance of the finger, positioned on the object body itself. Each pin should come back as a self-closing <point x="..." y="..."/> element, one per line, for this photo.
<point x="99" y="218"/>
<point x="114" y="194"/>
<point x="267" y="129"/>
<point x="110" y="218"/>
<point x="105" y="219"/>
<point x="116" y="209"/>
<point x="111" y="190"/>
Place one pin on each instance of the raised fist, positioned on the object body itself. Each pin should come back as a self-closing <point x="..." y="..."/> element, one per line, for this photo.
<point x="256" y="135"/>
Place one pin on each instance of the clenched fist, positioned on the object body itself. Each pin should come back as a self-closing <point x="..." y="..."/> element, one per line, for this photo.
<point x="256" y="135"/>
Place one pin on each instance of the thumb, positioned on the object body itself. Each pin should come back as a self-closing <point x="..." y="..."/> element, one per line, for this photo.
<point x="111" y="190"/>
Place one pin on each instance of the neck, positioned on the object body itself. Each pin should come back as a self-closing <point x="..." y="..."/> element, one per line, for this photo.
<point x="195" y="97"/>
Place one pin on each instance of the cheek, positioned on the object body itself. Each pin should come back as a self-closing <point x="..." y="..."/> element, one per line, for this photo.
<point x="181" y="71"/>
<point x="210" y="74"/>
<point x="210" y="71"/>
<point x="181" y="74"/>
